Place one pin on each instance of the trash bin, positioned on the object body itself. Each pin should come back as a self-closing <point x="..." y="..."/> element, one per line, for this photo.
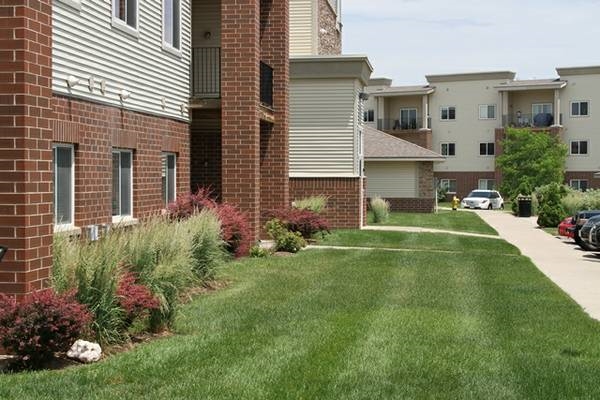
<point x="524" y="206"/>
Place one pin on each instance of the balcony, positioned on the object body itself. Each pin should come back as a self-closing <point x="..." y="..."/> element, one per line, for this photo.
<point x="206" y="73"/>
<point x="400" y="125"/>
<point x="537" y="121"/>
<point x="410" y="130"/>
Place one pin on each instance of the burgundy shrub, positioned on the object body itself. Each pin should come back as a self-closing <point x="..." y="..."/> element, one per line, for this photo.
<point x="235" y="229"/>
<point x="135" y="299"/>
<point x="188" y="203"/>
<point x="42" y="324"/>
<point x="306" y="222"/>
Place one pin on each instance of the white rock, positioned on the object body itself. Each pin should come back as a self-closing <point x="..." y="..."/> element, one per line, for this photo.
<point x="86" y="352"/>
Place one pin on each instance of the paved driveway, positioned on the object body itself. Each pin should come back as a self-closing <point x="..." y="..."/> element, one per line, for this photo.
<point x="574" y="271"/>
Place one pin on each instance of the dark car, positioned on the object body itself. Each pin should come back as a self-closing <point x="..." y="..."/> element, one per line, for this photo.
<point x="580" y="219"/>
<point x="583" y="227"/>
<point x="589" y="235"/>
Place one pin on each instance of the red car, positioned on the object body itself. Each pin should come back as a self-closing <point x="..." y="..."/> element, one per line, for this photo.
<point x="566" y="227"/>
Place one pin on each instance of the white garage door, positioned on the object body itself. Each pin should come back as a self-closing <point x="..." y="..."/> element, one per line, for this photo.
<point x="391" y="179"/>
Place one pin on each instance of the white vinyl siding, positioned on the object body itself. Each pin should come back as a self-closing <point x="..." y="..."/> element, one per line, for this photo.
<point x="391" y="179"/>
<point x="85" y="44"/>
<point x="302" y="28"/>
<point x="324" y="127"/>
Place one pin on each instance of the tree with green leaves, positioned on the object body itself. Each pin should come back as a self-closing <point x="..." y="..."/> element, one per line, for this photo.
<point x="529" y="160"/>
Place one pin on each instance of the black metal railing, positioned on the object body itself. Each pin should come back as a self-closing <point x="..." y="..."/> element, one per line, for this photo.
<point x="206" y="72"/>
<point x="541" y="120"/>
<point x="397" y="124"/>
<point x="266" y="85"/>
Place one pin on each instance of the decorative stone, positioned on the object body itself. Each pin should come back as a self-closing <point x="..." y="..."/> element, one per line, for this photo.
<point x="84" y="351"/>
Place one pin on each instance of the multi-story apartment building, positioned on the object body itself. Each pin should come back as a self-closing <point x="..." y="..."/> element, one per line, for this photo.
<point x="97" y="126"/>
<point x="464" y="117"/>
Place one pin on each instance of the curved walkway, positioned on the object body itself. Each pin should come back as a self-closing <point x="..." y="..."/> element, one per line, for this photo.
<point x="415" y="229"/>
<point x="575" y="271"/>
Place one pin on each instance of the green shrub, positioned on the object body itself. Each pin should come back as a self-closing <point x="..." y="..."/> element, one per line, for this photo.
<point x="551" y="211"/>
<point x="314" y="203"/>
<point x="381" y="209"/>
<point x="258" y="252"/>
<point x="550" y="215"/>
<point x="285" y="240"/>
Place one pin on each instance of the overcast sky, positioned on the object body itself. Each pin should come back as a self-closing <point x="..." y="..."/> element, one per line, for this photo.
<point x="408" y="39"/>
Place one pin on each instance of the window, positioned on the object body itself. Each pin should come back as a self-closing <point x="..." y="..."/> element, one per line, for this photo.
<point x="171" y="23"/>
<point x="369" y="116"/>
<point x="63" y="179"/>
<point x="579" y="147"/>
<point x="579" y="184"/>
<point x="580" y="109"/>
<point x="448" y="149"/>
<point x="448" y="184"/>
<point x="122" y="181"/>
<point x="168" y="178"/>
<point x="408" y="118"/>
<point x="486" y="149"/>
<point x="541" y="108"/>
<point x="448" y="113"/>
<point x="487" y="111"/>
<point x="126" y="11"/>
<point x="486" y="184"/>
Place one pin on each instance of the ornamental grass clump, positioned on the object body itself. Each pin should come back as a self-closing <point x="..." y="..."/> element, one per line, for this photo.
<point x="380" y="208"/>
<point x="313" y="203"/>
<point x="208" y="249"/>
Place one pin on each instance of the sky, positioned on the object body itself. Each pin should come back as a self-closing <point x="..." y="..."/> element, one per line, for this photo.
<point x="408" y="39"/>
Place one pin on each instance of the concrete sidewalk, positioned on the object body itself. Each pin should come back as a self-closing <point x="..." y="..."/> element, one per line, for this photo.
<point x="574" y="271"/>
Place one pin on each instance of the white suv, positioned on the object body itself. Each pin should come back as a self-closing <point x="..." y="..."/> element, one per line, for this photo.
<point x="483" y="199"/>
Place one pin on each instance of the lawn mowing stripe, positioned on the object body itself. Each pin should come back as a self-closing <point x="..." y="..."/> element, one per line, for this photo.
<point x="401" y="250"/>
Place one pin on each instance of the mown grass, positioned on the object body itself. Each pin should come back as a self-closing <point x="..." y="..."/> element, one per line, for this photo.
<point x="352" y="324"/>
<point x="461" y="221"/>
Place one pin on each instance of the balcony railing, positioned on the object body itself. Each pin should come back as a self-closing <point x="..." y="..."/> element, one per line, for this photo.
<point x="396" y="124"/>
<point x="206" y="72"/>
<point x="266" y="85"/>
<point x="541" y="120"/>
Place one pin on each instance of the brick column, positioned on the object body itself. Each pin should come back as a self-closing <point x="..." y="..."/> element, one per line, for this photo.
<point x="275" y="137"/>
<point x="240" y="89"/>
<point x="25" y="144"/>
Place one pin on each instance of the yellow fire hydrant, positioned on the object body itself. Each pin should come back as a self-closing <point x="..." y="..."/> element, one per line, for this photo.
<point x="455" y="203"/>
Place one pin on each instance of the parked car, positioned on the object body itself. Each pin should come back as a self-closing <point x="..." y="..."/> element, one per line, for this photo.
<point x="483" y="199"/>
<point x="564" y="228"/>
<point x="586" y="231"/>
<point x="580" y="219"/>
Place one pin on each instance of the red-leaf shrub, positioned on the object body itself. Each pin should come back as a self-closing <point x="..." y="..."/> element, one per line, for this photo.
<point x="235" y="229"/>
<point x="135" y="299"/>
<point x="43" y="323"/>
<point x="306" y="222"/>
<point x="187" y="204"/>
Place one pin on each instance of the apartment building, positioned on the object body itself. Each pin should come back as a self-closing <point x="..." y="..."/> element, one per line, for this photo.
<point x="464" y="117"/>
<point x="98" y="126"/>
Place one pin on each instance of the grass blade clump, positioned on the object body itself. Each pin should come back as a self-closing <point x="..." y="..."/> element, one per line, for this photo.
<point x="314" y="203"/>
<point x="381" y="209"/>
<point x="208" y="249"/>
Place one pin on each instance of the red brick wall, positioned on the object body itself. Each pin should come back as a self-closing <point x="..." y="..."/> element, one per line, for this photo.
<point x="465" y="181"/>
<point x="593" y="183"/>
<point x="95" y="130"/>
<point x="343" y="205"/>
<point x="25" y="144"/>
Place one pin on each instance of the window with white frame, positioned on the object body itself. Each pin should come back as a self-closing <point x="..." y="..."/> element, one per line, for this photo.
<point x="579" y="184"/>
<point x="579" y="147"/>
<point x="172" y="23"/>
<point x="580" y="109"/>
<point x="126" y="11"/>
<point x="168" y="177"/>
<point x="486" y="184"/>
<point x="541" y="108"/>
<point x="448" y="113"/>
<point x="122" y="183"/>
<point x="487" y="111"/>
<point x="448" y="184"/>
<point x="64" y="180"/>
<point x="486" y="149"/>
<point x="369" y="116"/>
<point x="448" y="149"/>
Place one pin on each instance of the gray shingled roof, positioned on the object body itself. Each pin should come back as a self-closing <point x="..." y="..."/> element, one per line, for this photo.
<point x="380" y="145"/>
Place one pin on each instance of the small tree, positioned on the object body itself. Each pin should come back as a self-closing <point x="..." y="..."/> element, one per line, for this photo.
<point x="530" y="159"/>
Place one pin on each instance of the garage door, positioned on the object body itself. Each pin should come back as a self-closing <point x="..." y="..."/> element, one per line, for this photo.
<point x="391" y="179"/>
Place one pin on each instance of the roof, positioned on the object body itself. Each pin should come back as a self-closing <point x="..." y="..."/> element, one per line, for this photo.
<point x="382" y="146"/>
<point x="472" y="76"/>
<point x="331" y="67"/>
<point x="586" y="70"/>
<point x="532" y="84"/>
<point x="403" y="91"/>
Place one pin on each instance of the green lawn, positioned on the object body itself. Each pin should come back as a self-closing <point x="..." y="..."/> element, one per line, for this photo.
<point x="353" y="324"/>
<point x="462" y="221"/>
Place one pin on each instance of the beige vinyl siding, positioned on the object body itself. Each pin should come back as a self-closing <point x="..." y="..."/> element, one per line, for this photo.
<point x="85" y="44"/>
<point x="322" y="127"/>
<point x="302" y="27"/>
<point x="390" y="179"/>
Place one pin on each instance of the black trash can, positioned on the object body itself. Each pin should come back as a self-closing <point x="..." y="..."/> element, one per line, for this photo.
<point x="524" y="206"/>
